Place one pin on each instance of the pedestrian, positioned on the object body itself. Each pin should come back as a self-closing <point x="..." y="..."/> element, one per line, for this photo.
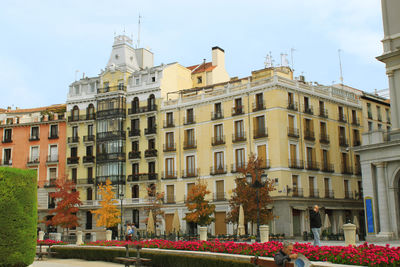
<point x="315" y="225"/>
<point x="129" y="232"/>
<point x="285" y="254"/>
<point x="133" y="231"/>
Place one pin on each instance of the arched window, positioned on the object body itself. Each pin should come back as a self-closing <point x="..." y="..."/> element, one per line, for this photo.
<point x="135" y="191"/>
<point x="90" y="112"/>
<point x="75" y="113"/>
<point x="151" y="102"/>
<point x="135" y="105"/>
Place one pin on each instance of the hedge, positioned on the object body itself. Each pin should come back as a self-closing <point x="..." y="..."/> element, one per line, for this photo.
<point x="18" y="216"/>
<point x="158" y="259"/>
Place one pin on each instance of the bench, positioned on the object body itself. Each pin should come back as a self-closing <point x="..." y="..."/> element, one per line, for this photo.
<point x="137" y="261"/>
<point x="42" y="253"/>
<point x="268" y="263"/>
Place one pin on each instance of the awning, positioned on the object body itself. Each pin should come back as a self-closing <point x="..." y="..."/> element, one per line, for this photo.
<point x="300" y="207"/>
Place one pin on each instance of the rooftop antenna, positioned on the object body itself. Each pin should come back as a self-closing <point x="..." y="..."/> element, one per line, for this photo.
<point x="340" y="66"/>
<point x="138" y="37"/>
<point x="291" y="57"/>
<point x="268" y="61"/>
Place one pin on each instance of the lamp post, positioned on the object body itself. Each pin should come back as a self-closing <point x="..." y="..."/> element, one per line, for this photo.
<point x="121" y="197"/>
<point x="258" y="183"/>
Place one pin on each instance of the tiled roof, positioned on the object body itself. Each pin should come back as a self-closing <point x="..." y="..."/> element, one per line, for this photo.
<point x="28" y="110"/>
<point x="202" y="67"/>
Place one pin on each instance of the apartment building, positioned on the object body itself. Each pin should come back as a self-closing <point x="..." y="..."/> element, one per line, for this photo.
<point x="35" y="139"/>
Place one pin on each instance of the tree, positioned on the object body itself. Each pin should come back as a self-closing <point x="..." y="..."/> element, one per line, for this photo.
<point x="108" y="215"/>
<point x="155" y="200"/>
<point x="200" y="208"/>
<point x="68" y="202"/>
<point x="246" y="195"/>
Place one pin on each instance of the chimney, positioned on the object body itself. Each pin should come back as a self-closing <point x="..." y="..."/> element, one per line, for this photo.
<point x="218" y="56"/>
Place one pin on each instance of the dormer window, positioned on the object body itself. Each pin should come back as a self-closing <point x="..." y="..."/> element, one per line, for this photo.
<point x="199" y="79"/>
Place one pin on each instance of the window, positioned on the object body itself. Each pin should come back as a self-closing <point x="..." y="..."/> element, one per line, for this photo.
<point x="106" y="86"/>
<point x="170" y="119"/>
<point x="190" y="166"/>
<point x="290" y="99"/>
<point x="346" y="188"/>
<point x="53" y="153"/>
<point x="327" y="185"/>
<point x="307" y="108"/>
<point x="325" y="159"/>
<point x="218" y="108"/>
<point x="7" y="156"/>
<point x="378" y="111"/>
<point x="322" y="126"/>
<point x="153" y="79"/>
<point x="89" y="220"/>
<point x="92" y="87"/>
<point x="342" y="133"/>
<point x="295" y="185"/>
<point x="189" y="116"/>
<point x="259" y="126"/>
<point x="135" y="168"/>
<point x="293" y="153"/>
<point x="341" y="114"/>
<point x="120" y="85"/>
<point x="137" y="81"/>
<point x="262" y="155"/>
<point x="7" y="135"/>
<point x="74" y="152"/>
<point x="311" y="184"/>
<point x="379" y="126"/>
<point x="170" y="140"/>
<point x="151" y="102"/>
<point x="34" y="154"/>
<point x="220" y="191"/>
<point x="170" y="194"/>
<point x="135" y="124"/>
<point x="152" y="167"/>
<point x="152" y="144"/>
<point x="151" y="122"/>
<point x="89" y="151"/>
<point x="90" y="129"/>
<point x="189" y="140"/>
<point x="369" y="110"/>
<point x="239" y="129"/>
<point x="240" y="158"/>
<point x="135" y="105"/>
<point x="54" y="131"/>
<point x="370" y="126"/>
<point x="189" y="187"/>
<point x="238" y="106"/>
<point x="34" y="133"/>
<point x="52" y="173"/>
<point x="387" y="115"/>
<point x="75" y="113"/>
<point x="135" y="146"/>
<point x="259" y="100"/>
<point x="170" y="167"/>
<point x="219" y="160"/>
<point x="199" y="79"/>
<point x="75" y="131"/>
<point x="354" y="116"/>
<point x="74" y="174"/>
<point x="90" y="173"/>
<point x="322" y="111"/>
<point x="218" y="131"/>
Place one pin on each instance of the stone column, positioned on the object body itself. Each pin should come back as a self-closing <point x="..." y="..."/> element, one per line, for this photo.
<point x="108" y="235"/>
<point x="264" y="233"/>
<point x="79" y="240"/>
<point x="382" y="199"/>
<point x="93" y="237"/>
<point x="203" y="233"/>
<point x="349" y="234"/>
<point x="394" y="109"/>
<point x="41" y="235"/>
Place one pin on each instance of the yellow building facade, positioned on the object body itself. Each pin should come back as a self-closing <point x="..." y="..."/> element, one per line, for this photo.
<point x="161" y="127"/>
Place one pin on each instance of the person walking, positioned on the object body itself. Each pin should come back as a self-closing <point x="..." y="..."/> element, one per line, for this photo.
<point x="315" y="225"/>
<point x="129" y="232"/>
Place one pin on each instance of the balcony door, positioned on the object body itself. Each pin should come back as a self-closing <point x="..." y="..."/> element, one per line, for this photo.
<point x="54" y="153"/>
<point x="219" y="160"/>
<point x="262" y="155"/>
<point x="190" y="165"/>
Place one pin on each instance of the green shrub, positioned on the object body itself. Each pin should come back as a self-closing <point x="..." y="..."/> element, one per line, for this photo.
<point x="159" y="259"/>
<point x="18" y="216"/>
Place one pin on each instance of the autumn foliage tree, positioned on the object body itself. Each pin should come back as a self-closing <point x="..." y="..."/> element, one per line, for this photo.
<point x="108" y="215"/>
<point x="155" y="200"/>
<point x="246" y="195"/>
<point x="68" y="202"/>
<point x="201" y="210"/>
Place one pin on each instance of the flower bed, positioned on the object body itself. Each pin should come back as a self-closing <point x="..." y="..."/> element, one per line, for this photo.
<point x="50" y="242"/>
<point x="365" y="254"/>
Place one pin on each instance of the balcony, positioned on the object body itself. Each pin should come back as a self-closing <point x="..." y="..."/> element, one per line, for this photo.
<point x="292" y="106"/>
<point x="7" y="140"/>
<point x="33" y="161"/>
<point x="150" y="153"/>
<point x="258" y="106"/>
<point x="50" y="183"/>
<point x="105" y="157"/>
<point x="327" y="167"/>
<point x="329" y="194"/>
<point x="309" y="135"/>
<point x="216" y="115"/>
<point x="239" y="137"/>
<point x="88" y="159"/>
<point x="218" y="170"/>
<point x="312" y="165"/>
<point x="308" y="109"/>
<point x="52" y="159"/>
<point x="111" y="89"/>
<point x="88" y="138"/>
<point x="189" y="144"/>
<point x="166" y="175"/>
<point x="169" y="124"/>
<point x="192" y="173"/>
<point x="150" y="130"/>
<point x="296" y="164"/>
<point x="347" y="169"/>
<point x="169" y="199"/>
<point x="73" y="140"/>
<point x="169" y="147"/>
<point x="34" y="138"/>
<point x="238" y="167"/>
<point x="314" y="193"/>
<point x="260" y="133"/>
<point x="72" y="160"/>
<point x="297" y="192"/>
<point x="293" y="132"/>
<point x="85" y="181"/>
<point x="219" y="196"/>
<point x="187" y="120"/>
<point x="324" y="138"/>
<point x="53" y="136"/>
<point x="356" y="142"/>
<point x="136" y="177"/>
<point x="134" y="132"/>
<point x="342" y="118"/>
<point x="343" y="142"/>
<point x="348" y="194"/>
<point x="114" y="112"/>
<point x="148" y="108"/>
<point x="115" y="179"/>
<point x="218" y="140"/>
<point x="323" y="113"/>
<point x="237" y="110"/>
<point x="355" y="122"/>
<point x="112" y="135"/>
<point x="134" y="155"/>
<point x="90" y="116"/>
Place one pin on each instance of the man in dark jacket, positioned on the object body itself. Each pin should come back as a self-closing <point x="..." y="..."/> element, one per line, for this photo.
<point x="285" y="254"/>
<point x="315" y="224"/>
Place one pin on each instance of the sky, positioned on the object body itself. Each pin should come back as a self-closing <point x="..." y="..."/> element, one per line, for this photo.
<point x="44" y="43"/>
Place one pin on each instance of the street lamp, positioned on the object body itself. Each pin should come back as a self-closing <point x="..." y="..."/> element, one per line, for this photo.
<point x="258" y="183"/>
<point x="121" y="196"/>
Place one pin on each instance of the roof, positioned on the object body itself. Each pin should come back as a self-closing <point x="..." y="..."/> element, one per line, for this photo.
<point x="28" y="110"/>
<point x="202" y="67"/>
